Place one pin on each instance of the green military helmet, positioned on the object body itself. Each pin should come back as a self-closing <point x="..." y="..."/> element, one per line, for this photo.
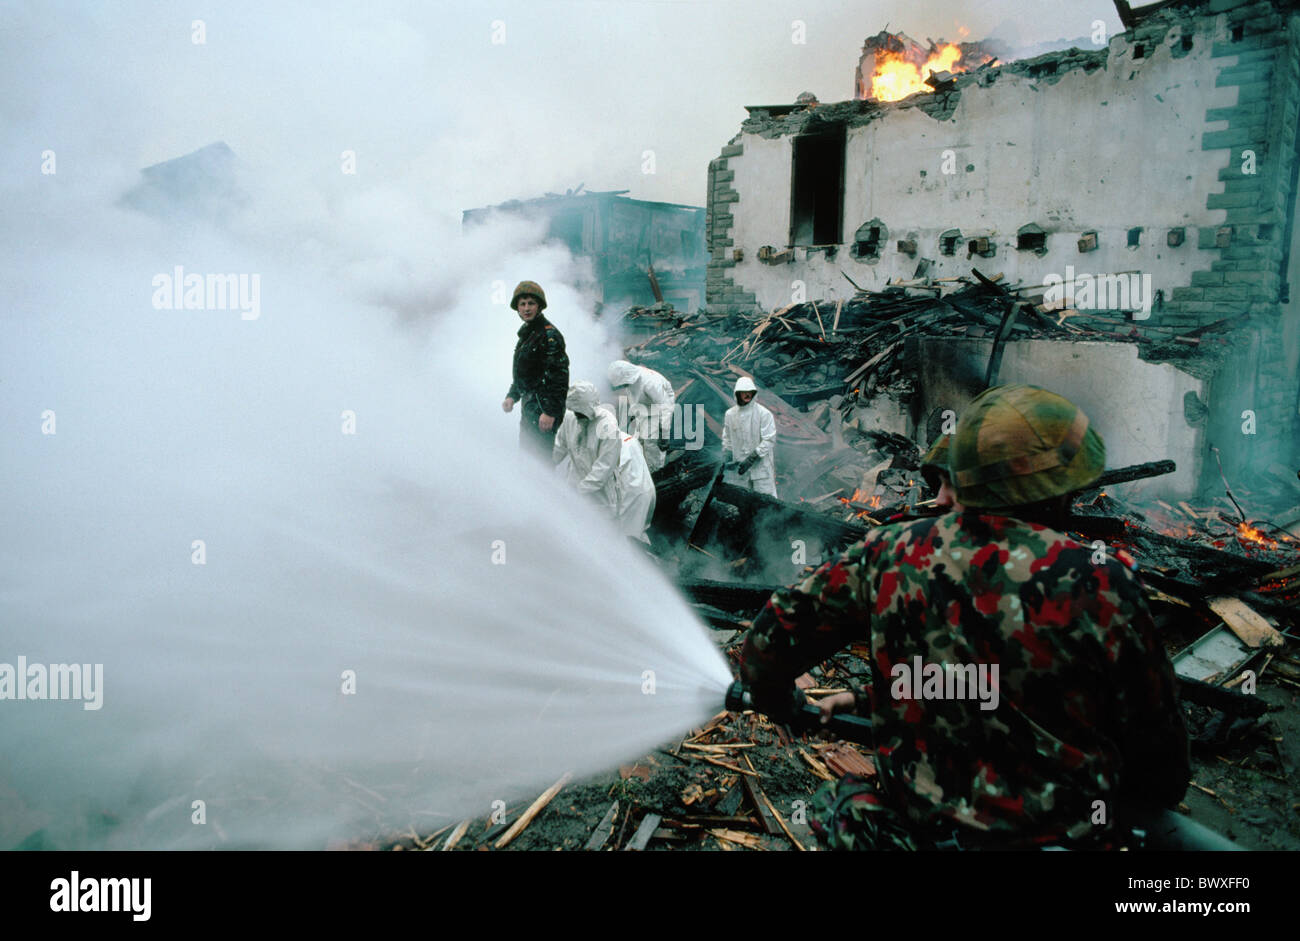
<point x="529" y="287"/>
<point x="935" y="461"/>
<point x="1019" y="444"/>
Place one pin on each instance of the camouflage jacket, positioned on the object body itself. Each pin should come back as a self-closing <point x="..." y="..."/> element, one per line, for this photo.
<point x="541" y="369"/>
<point x="1080" y="708"/>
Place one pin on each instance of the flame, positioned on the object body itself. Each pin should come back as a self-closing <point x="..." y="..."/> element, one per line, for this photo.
<point x="1249" y="534"/>
<point x="861" y="496"/>
<point x="895" y="77"/>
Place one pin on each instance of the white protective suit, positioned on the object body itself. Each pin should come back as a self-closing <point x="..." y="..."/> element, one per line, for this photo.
<point x="645" y="406"/>
<point x="751" y="429"/>
<point x="604" y="463"/>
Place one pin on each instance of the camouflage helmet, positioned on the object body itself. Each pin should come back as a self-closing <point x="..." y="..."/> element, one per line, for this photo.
<point x="935" y="461"/>
<point x="529" y="287"/>
<point x="1019" y="444"/>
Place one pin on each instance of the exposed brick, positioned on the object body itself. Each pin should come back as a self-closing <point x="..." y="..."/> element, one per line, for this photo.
<point x="1203" y="278"/>
<point x="1241" y="13"/>
<point x="1233" y="170"/>
<point x="1231" y="200"/>
<point x="1255" y="264"/>
<point x="1220" y="49"/>
<point x="1258" y="55"/>
<point x="1262" y="91"/>
<point x="1244" y="74"/>
<point x="1233" y="137"/>
<point x="1227" y="292"/>
<point x="732" y="150"/>
<point x="1265" y="25"/>
<point x="1222" y="6"/>
<point x="1246" y="277"/>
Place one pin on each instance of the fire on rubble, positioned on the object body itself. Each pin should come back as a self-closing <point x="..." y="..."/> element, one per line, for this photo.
<point x="894" y="66"/>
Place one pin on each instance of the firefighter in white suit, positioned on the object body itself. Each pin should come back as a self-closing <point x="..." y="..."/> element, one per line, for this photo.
<point x="748" y="441"/>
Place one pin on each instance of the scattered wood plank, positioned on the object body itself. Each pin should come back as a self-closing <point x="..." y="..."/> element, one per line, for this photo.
<point x="842" y="758"/>
<point x="456" y="835"/>
<point x="1280" y="574"/>
<point x="818" y="768"/>
<point x="760" y="801"/>
<point x="749" y="840"/>
<point x="768" y="811"/>
<point x="600" y="836"/>
<point x="1246" y="623"/>
<point x="533" y="810"/>
<point x="723" y="764"/>
<point x="730" y="821"/>
<point x="649" y="824"/>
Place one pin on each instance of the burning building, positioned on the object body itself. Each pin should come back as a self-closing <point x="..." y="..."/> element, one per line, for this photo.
<point x="641" y="251"/>
<point x="1146" y="187"/>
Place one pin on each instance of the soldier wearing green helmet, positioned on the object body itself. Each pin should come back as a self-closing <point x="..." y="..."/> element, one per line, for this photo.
<point x="1084" y="725"/>
<point x="1022" y="446"/>
<point x="540" y="376"/>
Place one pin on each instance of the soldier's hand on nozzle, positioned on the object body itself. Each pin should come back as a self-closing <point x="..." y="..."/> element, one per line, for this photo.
<point x="508" y="404"/>
<point x="546" y="423"/>
<point x="838" y="702"/>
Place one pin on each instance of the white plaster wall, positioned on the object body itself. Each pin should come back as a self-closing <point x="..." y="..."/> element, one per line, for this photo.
<point x="1135" y="406"/>
<point x="1101" y="151"/>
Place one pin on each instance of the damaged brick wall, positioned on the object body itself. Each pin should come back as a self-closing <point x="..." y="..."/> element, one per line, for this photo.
<point x="1171" y="151"/>
<point x="1258" y="51"/>
<point x="721" y="292"/>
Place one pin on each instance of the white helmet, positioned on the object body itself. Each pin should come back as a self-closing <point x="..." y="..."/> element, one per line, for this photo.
<point x="745" y="384"/>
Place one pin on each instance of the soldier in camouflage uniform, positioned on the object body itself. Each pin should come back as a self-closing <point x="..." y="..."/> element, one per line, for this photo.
<point x="1084" y="719"/>
<point x="541" y="372"/>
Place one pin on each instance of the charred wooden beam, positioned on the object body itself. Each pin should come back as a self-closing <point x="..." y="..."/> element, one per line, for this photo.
<point x="678" y="479"/>
<point x="1224" y="565"/>
<point x="726" y="595"/>
<point x="1216" y="697"/>
<point x="1122" y="475"/>
<point x="791" y="515"/>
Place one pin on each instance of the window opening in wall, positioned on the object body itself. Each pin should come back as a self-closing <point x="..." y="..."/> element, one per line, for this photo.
<point x="871" y="244"/>
<point x="1139" y="51"/>
<point x="817" y="188"/>
<point x="1031" y="241"/>
<point x="1238" y="32"/>
<point x="948" y="242"/>
<point x="1135" y="237"/>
